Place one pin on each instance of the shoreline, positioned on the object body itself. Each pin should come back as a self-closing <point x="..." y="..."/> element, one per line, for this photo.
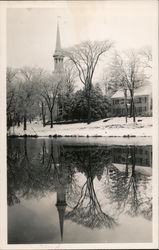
<point x="81" y="140"/>
<point x="113" y="128"/>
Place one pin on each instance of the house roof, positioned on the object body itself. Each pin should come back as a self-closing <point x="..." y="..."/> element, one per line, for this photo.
<point x="141" y="91"/>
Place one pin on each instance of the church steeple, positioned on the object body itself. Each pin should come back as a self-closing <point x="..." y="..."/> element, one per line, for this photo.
<point x="58" y="57"/>
<point x="58" y="40"/>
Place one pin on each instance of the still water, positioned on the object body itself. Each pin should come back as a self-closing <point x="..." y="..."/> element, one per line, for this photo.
<point x="62" y="192"/>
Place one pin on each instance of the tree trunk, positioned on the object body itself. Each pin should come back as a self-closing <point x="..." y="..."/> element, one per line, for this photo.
<point x="43" y="120"/>
<point x="126" y="106"/>
<point x="43" y="114"/>
<point x="51" y="118"/>
<point x="132" y="106"/>
<point x="9" y="122"/>
<point x="18" y="123"/>
<point x="89" y="104"/>
<point x="89" y="112"/>
<point x="25" y="122"/>
<point x="133" y="111"/>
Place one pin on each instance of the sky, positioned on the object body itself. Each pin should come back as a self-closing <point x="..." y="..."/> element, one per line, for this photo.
<point x="31" y="32"/>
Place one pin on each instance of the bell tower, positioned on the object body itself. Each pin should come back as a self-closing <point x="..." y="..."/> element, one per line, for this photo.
<point x="58" y="57"/>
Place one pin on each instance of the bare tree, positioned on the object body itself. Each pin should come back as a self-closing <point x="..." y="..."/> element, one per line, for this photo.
<point x="27" y="94"/>
<point x="38" y="80"/>
<point x="146" y="54"/>
<point x="50" y="89"/>
<point x="130" y="73"/>
<point x="85" y="57"/>
<point x="70" y="74"/>
<point x="11" y="77"/>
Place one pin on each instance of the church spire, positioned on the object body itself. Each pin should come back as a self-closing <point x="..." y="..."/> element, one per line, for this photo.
<point x="58" y="40"/>
<point x="58" y="57"/>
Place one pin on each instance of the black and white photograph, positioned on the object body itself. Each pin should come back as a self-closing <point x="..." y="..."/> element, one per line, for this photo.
<point x="79" y="124"/>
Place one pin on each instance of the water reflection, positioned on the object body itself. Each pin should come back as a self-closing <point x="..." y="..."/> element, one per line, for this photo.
<point x="38" y="167"/>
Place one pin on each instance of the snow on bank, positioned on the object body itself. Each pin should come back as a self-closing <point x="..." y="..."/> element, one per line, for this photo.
<point x="111" y="127"/>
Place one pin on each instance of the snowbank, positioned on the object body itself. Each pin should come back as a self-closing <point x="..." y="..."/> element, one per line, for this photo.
<point x="111" y="127"/>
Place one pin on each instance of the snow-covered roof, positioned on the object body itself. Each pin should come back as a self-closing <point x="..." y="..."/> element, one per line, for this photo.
<point x="141" y="91"/>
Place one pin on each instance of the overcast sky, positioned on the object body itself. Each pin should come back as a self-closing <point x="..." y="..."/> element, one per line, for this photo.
<point x="31" y="32"/>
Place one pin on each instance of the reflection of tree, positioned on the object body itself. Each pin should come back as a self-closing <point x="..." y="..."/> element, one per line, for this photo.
<point x="26" y="176"/>
<point x="87" y="210"/>
<point x="127" y="189"/>
<point x="11" y="160"/>
<point x="34" y="169"/>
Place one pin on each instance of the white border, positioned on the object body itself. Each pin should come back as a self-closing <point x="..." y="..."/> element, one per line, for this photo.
<point x="3" y="187"/>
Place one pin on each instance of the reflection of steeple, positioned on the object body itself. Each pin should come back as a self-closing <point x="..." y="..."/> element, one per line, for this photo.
<point x="61" y="206"/>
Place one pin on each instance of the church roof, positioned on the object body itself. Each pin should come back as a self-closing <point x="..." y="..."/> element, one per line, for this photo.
<point x="141" y="91"/>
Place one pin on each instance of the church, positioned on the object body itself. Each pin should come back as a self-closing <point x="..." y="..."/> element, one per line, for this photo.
<point x="58" y="73"/>
<point x="142" y="95"/>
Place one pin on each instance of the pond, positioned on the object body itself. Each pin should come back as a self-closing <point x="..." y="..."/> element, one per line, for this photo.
<point x="64" y="192"/>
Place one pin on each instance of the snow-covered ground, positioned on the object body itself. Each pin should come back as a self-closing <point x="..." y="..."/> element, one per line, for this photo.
<point x="110" y="127"/>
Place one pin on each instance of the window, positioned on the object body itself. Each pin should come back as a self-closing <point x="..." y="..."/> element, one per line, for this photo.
<point x="151" y="104"/>
<point x="147" y="162"/>
<point x="122" y="101"/>
<point x="140" y="151"/>
<point x="139" y="109"/>
<point x="140" y="160"/>
<point x="144" y="108"/>
<point x="138" y="100"/>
